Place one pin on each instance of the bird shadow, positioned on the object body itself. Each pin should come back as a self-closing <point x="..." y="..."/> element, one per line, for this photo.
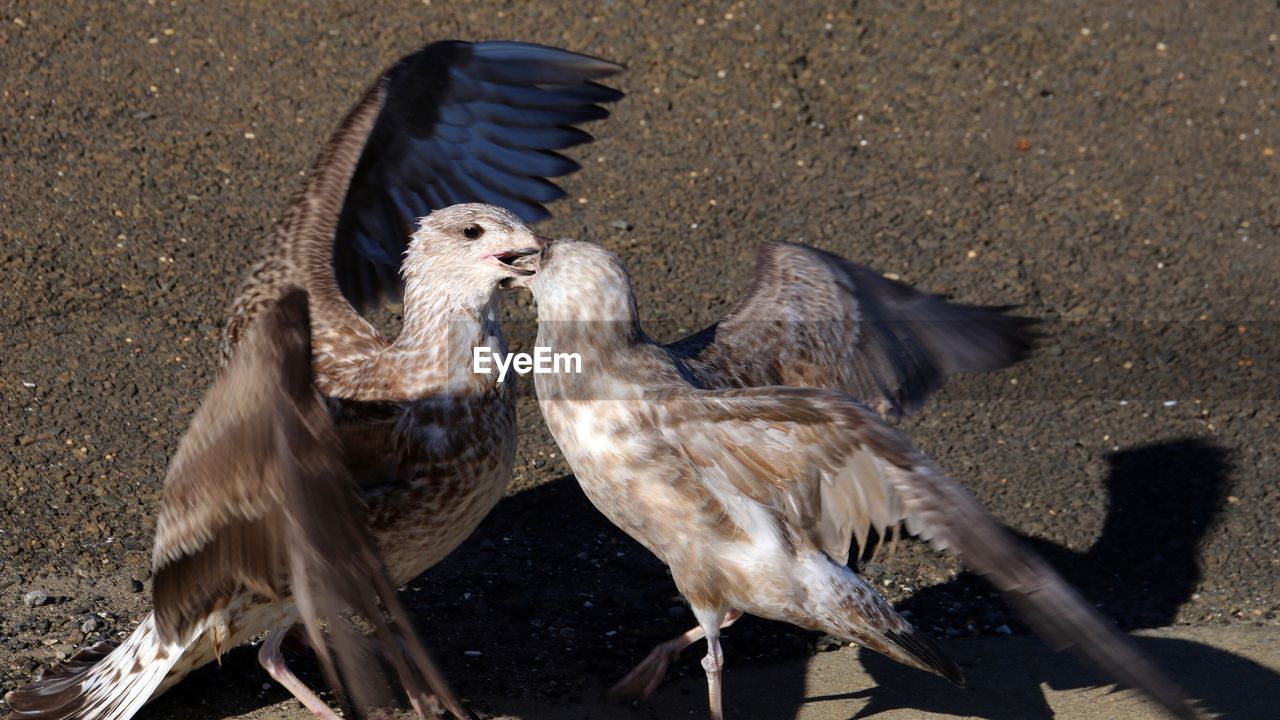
<point x="1145" y="565"/>
<point x="548" y="603"/>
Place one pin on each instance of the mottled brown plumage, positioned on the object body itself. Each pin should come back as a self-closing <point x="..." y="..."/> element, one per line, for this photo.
<point x="259" y="519"/>
<point x="813" y="319"/>
<point x="430" y="444"/>
<point x="753" y="496"/>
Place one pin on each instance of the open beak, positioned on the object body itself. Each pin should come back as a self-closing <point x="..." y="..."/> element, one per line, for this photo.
<point x="510" y="260"/>
<point x="527" y="265"/>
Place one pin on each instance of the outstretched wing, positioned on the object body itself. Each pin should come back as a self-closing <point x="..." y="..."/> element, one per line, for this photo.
<point x="813" y="319"/>
<point x="257" y="498"/>
<point x="832" y="469"/>
<point x="454" y="122"/>
<point x="462" y="122"/>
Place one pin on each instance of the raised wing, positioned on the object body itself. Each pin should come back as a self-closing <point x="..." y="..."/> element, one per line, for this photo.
<point x="461" y="122"/>
<point x="813" y="319"/>
<point x="832" y="469"/>
<point x="257" y="498"/>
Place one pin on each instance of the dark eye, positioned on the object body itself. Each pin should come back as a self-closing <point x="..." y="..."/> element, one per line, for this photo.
<point x="471" y="232"/>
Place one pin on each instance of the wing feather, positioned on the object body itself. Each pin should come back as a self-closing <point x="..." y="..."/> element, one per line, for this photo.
<point x="257" y="498"/>
<point x="454" y="122"/>
<point x="476" y="122"/>
<point x="813" y="319"/>
<point x="833" y="469"/>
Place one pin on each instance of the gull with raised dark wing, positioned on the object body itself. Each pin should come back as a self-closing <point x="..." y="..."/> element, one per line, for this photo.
<point x="430" y="442"/>
<point x="753" y="496"/>
<point x="394" y="208"/>
<point x="260" y="524"/>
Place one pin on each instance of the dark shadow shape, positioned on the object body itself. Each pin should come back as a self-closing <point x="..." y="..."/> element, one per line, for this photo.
<point x="1007" y="687"/>
<point x="549" y="602"/>
<point x="1163" y="499"/>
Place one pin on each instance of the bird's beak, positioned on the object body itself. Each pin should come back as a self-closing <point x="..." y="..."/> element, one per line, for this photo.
<point x="528" y="265"/>
<point x="511" y="260"/>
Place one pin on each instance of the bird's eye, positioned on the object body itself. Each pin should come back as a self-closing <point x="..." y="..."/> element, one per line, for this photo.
<point x="471" y="232"/>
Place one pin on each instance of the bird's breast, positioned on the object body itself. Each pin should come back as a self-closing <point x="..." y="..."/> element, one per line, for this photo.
<point x="429" y="471"/>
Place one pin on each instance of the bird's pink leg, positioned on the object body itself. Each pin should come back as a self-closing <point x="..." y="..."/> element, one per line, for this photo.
<point x="273" y="662"/>
<point x="645" y="677"/>
<point x="713" y="663"/>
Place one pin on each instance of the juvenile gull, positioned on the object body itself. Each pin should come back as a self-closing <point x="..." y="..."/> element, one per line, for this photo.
<point x="814" y="319"/>
<point x="430" y="444"/>
<point x="752" y="496"/>
<point x="259" y="524"/>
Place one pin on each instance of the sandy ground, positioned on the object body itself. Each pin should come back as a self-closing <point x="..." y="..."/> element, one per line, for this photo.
<point x="1111" y="170"/>
<point x="1009" y="679"/>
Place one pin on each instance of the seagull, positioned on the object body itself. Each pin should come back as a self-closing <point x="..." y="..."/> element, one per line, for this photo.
<point x="455" y="140"/>
<point x="259" y="524"/>
<point x="813" y="319"/>
<point x="752" y="495"/>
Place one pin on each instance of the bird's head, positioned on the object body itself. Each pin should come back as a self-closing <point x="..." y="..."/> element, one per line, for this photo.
<point x="578" y="281"/>
<point x="471" y="247"/>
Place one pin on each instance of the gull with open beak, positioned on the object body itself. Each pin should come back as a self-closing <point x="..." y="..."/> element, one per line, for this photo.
<point x="393" y="208"/>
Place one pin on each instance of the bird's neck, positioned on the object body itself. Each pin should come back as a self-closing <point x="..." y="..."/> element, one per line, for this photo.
<point x="602" y="354"/>
<point x="438" y="339"/>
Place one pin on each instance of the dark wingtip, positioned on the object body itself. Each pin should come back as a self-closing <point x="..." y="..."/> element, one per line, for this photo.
<point x="1021" y="334"/>
<point x="923" y="648"/>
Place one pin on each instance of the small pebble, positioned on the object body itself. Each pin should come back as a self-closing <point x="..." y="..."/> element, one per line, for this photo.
<point x="35" y="598"/>
<point x="89" y="625"/>
<point x="621" y="224"/>
<point x="1004" y="630"/>
<point x="827" y="643"/>
<point x="62" y="650"/>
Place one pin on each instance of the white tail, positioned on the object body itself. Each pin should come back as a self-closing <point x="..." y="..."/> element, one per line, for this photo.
<point x="100" y="682"/>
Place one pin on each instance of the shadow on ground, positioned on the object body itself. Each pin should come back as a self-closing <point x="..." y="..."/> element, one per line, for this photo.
<point x="550" y="604"/>
<point x="1006" y="685"/>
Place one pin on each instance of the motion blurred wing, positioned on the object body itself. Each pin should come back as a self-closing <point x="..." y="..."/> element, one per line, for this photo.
<point x="813" y="319"/>
<point x="258" y="498"/>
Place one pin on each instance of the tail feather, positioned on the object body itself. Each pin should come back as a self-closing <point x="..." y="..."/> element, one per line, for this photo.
<point x="104" y="681"/>
<point x="843" y="604"/>
<point x="926" y="653"/>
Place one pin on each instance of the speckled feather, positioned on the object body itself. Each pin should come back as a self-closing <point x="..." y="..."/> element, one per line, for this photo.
<point x="259" y="520"/>
<point x="753" y="495"/>
<point x="453" y="123"/>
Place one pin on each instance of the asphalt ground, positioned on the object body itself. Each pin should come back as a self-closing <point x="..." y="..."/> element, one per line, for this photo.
<point x="1110" y="169"/>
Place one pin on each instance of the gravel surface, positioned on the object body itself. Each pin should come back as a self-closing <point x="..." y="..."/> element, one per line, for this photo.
<point x="1111" y="170"/>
